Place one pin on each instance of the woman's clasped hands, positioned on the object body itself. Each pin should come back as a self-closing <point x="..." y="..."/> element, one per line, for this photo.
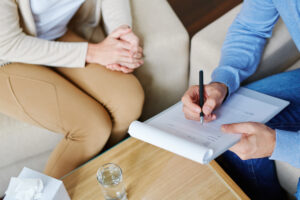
<point x="119" y="51"/>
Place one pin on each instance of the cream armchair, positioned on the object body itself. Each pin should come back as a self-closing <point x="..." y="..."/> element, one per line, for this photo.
<point x="166" y="47"/>
<point x="164" y="77"/>
<point x="280" y="54"/>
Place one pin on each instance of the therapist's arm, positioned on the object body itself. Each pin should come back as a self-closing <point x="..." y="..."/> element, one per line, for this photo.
<point x="241" y="53"/>
<point x="245" y="41"/>
<point x="287" y="148"/>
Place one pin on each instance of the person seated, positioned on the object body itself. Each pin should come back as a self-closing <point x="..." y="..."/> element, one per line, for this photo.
<point x="251" y="161"/>
<point x="53" y="78"/>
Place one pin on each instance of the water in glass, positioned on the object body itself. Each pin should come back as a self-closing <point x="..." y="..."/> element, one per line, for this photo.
<point x="110" y="178"/>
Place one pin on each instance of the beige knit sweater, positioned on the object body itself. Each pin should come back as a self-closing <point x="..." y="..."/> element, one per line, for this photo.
<point x="18" y="41"/>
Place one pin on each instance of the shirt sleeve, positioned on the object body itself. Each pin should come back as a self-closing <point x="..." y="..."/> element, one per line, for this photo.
<point x="116" y="13"/>
<point x="287" y="148"/>
<point x="244" y="43"/>
<point x="16" y="46"/>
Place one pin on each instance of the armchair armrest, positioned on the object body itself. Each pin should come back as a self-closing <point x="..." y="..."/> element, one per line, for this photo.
<point x="164" y="76"/>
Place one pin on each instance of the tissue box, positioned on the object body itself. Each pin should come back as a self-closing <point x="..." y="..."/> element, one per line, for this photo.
<point x="53" y="189"/>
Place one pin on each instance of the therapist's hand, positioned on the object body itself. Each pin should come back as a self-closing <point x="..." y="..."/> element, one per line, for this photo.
<point x="257" y="141"/>
<point x="214" y="94"/>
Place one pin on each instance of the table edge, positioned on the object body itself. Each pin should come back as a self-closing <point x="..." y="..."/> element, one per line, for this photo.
<point x="228" y="181"/>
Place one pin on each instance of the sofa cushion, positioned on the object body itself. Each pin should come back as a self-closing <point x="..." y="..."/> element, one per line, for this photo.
<point x="36" y="162"/>
<point x="288" y="176"/>
<point x="20" y="141"/>
<point x="22" y="145"/>
<point x="296" y="65"/>
<point x="164" y="76"/>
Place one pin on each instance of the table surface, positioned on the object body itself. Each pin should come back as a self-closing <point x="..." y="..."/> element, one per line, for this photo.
<point x="151" y="173"/>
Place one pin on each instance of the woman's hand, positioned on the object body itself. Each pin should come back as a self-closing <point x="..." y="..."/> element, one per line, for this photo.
<point x="114" y="53"/>
<point x="136" y="49"/>
<point x="118" y="67"/>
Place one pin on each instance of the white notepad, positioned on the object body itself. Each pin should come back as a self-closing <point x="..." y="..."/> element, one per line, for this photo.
<point x="170" y="130"/>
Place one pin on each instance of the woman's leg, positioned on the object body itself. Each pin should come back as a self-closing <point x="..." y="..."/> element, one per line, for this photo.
<point x="258" y="176"/>
<point x="40" y="96"/>
<point x="121" y="94"/>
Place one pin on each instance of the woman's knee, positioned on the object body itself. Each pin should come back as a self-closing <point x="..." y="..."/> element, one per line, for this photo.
<point x="135" y="97"/>
<point x="130" y="103"/>
<point x="91" y="125"/>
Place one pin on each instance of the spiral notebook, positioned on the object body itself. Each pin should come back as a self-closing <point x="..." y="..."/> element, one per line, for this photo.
<point x="170" y="130"/>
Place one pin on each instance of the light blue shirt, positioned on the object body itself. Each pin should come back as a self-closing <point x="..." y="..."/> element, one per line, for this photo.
<point x="52" y="16"/>
<point x="242" y="51"/>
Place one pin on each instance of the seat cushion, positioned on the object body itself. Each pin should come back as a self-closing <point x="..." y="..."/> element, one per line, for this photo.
<point x="288" y="176"/>
<point x="20" y="140"/>
<point x="36" y="162"/>
<point x="296" y="65"/>
<point x="22" y="145"/>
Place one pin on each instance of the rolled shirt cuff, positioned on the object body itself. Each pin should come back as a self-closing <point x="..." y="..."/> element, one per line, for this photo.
<point x="225" y="76"/>
<point x="287" y="147"/>
<point x="82" y="56"/>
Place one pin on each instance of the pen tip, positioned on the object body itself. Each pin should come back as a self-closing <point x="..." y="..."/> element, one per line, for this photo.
<point x="201" y="120"/>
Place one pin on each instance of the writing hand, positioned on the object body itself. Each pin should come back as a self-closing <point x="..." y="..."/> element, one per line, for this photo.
<point x="214" y="94"/>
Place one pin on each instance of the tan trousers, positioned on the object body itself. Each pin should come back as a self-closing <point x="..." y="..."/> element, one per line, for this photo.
<point x="88" y="105"/>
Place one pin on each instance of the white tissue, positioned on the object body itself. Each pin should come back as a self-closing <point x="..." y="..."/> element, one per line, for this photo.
<point x="24" y="189"/>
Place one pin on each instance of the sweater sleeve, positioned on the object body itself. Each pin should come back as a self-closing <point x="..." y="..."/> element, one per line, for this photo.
<point x="287" y="147"/>
<point x="244" y="43"/>
<point x="116" y="13"/>
<point x="16" y="46"/>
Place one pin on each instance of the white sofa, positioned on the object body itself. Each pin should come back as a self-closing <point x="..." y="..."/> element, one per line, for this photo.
<point x="164" y="77"/>
<point x="280" y="54"/>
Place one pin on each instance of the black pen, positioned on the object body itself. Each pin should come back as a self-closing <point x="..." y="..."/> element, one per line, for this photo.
<point x="201" y="95"/>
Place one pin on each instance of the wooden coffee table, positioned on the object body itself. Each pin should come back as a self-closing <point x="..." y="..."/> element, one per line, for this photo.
<point x="151" y="173"/>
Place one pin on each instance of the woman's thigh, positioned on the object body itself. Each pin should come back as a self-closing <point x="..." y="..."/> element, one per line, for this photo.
<point x="285" y="86"/>
<point x="40" y="96"/>
<point x="121" y="94"/>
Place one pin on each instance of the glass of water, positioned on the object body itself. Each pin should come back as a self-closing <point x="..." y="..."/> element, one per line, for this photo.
<point x="111" y="180"/>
